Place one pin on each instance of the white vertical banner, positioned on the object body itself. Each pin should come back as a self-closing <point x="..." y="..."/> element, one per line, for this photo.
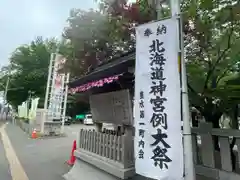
<point x="158" y="138"/>
<point x="33" y="109"/>
<point x="57" y="89"/>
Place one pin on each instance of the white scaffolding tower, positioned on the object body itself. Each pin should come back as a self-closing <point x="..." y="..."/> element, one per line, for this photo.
<point x="55" y="97"/>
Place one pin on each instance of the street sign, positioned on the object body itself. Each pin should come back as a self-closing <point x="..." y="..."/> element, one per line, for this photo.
<point x="80" y="116"/>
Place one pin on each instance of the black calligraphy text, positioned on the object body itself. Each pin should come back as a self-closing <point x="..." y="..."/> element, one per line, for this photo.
<point x="158" y="100"/>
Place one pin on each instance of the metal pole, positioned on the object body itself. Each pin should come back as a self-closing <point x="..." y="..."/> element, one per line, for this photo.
<point x="48" y="81"/>
<point x="187" y="138"/>
<point x="6" y="89"/>
<point x="29" y="104"/>
<point x="159" y="9"/>
<point x="47" y="92"/>
<point x="5" y="96"/>
<point x="65" y="102"/>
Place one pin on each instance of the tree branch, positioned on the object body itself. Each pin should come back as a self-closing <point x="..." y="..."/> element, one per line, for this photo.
<point x="195" y="92"/>
<point x="211" y="70"/>
<point x="191" y="88"/>
<point x="222" y="75"/>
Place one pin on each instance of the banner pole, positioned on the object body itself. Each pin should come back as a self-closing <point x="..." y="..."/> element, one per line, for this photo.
<point x="187" y="138"/>
<point x="45" y="113"/>
<point x="65" y="101"/>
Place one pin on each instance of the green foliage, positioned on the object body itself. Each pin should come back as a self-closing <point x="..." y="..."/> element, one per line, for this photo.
<point x="97" y="35"/>
<point x="211" y="40"/>
<point x="85" y="33"/>
<point x="28" y="70"/>
<point x="77" y="104"/>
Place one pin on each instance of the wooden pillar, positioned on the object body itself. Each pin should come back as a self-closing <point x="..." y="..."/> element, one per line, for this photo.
<point x="128" y="146"/>
<point x="98" y="127"/>
<point x="128" y="130"/>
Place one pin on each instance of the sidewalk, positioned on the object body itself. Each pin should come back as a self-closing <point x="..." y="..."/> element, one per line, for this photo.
<point x="40" y="158"/>
<point x="5" y="173"/>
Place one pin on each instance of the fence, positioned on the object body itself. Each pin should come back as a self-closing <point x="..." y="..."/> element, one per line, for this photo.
<point x="211" y="163"/>
<point x="113" y="147"/>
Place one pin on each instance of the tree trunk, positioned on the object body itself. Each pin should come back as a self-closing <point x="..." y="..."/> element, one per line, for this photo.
<point x="234" y="126"/>
<point x="214" y="119"/>
<point x="194" y="119"/>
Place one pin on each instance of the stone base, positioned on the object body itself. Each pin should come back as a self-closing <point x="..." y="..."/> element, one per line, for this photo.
<point x="112" y="167"/>
<point x="52" y="129"/>
<point x="24" y="126"/>
<point x="85" y="171"/>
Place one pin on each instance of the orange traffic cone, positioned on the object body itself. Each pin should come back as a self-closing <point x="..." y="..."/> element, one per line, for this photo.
<point x="72" y="159"/>
<point x="34" y="134"/>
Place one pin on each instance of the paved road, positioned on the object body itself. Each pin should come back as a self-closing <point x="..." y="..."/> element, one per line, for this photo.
<point x="5" y="173"/>
<point x="42" y="158"/>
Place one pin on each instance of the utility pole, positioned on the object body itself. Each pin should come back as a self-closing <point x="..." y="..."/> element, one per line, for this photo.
<point x="5" y="96"/>
<point x="189" y="169"/>
<point x="30" y="93"/>
<point x="6" y="89"/>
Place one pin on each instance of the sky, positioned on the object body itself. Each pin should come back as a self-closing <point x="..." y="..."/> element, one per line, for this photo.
<point x="23" y="20"/>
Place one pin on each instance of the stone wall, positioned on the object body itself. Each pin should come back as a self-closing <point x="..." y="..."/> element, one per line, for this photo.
<point x="51" y="128"/>
<point x="24" y="125"/>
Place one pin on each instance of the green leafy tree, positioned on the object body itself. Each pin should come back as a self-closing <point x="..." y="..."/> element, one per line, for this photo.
<point x="95" y="36"/>
<point x="211" y="39"/>
<point x="87" y="40"/>
<point x="28" y="70"/>
<point x="98" y="35"/>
